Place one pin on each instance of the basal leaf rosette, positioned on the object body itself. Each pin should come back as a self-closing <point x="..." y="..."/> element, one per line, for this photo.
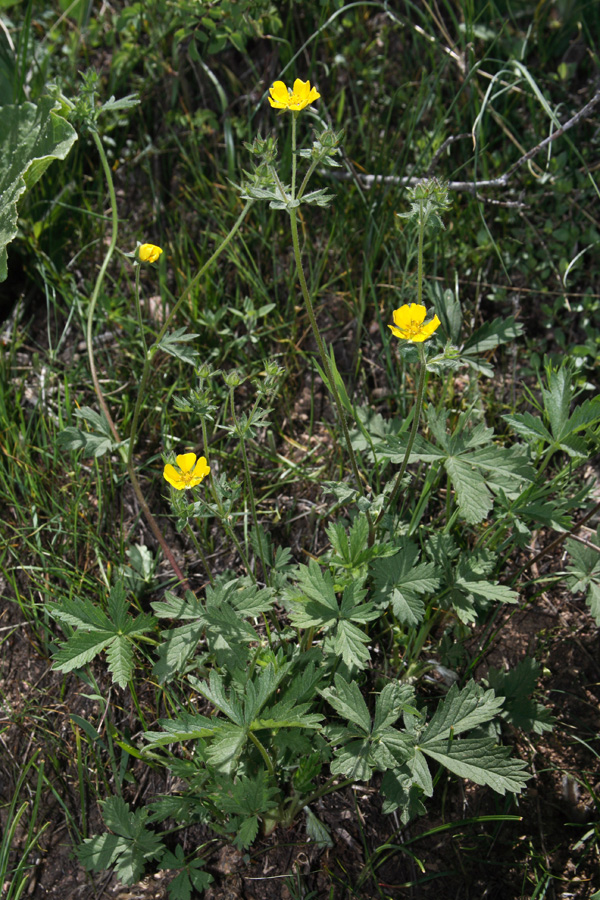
<point x="189" y="474"/>
<point x="295" y="99"/>
<point x="409" y="323"/>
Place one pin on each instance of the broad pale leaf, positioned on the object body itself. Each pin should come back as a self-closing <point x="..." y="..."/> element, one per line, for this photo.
<point x="31" y="136"/>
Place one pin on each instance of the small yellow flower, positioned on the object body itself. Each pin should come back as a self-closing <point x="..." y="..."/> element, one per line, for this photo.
<point x="190" y="472"/>
<point x="408" y="323"/>
<point x="295" y="99"/>
<point x="149" y="253"/>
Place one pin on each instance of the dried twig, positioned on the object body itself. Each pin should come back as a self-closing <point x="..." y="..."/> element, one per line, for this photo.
<point x="472" y="187"/>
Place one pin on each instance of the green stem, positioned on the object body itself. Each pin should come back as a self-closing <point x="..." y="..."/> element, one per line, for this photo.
<point x="98" y="284"/>
<point x="200" y="552"/>
<point x="249" y="487"/>
<point x="413" y="432"/>
<point x="422" y="223"/>
<point x="215" y="494"/>
<point x="294" y="117"/>
<point x="103" y="405"/>
<point x="228" y="528"/>
<point x="138" y="307"/>
<point x="311" y="169"/>
<point x="263" y="753"/>
<point x="169" y="319"/>
<point x="322" y="353"/>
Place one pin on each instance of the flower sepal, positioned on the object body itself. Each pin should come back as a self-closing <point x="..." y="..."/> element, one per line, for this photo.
<point x="428" y="200"/>
<point x="324" y="148"/>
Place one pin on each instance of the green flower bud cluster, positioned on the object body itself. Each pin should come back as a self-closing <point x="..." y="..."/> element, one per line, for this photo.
<point x="428" y="199"/>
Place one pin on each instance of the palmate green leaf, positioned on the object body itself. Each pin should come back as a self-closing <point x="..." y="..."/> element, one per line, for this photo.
<point x="353" y="760"/>
<point x="178" y="647"/>
<point x="557" y="396"/>
<point x="584" y="572"/>
<point x="516" y="686"/>
<point x="480" y="760"/>
<point x="96" y="442"/>
<point x="226" y="747"/>
<point x="97" y="631"/>
<point x="398" y="581"/>
<point x="476" y="466"/>
<point x="128" y="849"/>
<point x="529" y="427"/>
<point x="394" y="699"/>
<point x="192" y="881"/>
<point x="317" y="607"/>
<point x="31" y="137"/>
<point x="80" y="649"/>
<point x="472" y="495"/>
<point x="215" y="693"/>
<point x="348" y="702"/>
<point x="185" y="727"/>
<point x="119" y="655"/>
<point x="175" y="342"/>
<point x="491" y="334"/>
<point x="248" y="796"/>
<point x="227" y="629"/>
<point x="92" y="444"/>
<point x="349" y="642"/>
<point x="460" y="711"/>
<point x="350" y="550"/>
<point x="191" y="875"/>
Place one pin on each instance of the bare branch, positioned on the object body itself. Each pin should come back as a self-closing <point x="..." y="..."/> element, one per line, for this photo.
<point x="471" y="187"/>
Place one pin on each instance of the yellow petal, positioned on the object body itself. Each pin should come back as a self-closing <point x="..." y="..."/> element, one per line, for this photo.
<point x="301" y="88"/>
<point x="201" y="469"/>
<point x="149" y="253"/>
<point x="174" y="478"/>
<point x="186" y="462"/>
<point x="280" y="96"/>
<point x="409" y="315"/>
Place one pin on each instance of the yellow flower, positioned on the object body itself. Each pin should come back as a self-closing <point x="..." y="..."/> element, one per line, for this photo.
<point x="191" y="472"/>
<point x="408" y="323"/>
<point x="285" y="98"/>
<point x="149" y="253"/>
